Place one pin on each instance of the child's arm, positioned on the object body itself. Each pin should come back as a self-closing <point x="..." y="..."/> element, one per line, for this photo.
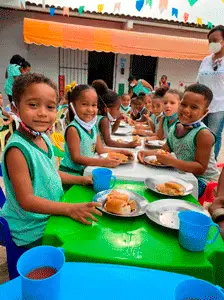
<point x="204" y="143"/>
<point x="160" y="131"/>
<point x="67" y="178"/>
<point x="6" y="114"/>
<point x="143" y="153"/>
<point x="151" y="123"/>
<point x="220" y="190"/>
<point x="19" y="176"/>
<point x="105" y="130"/>
<point x="146" y="84"/>
<point x="73" y="141"/>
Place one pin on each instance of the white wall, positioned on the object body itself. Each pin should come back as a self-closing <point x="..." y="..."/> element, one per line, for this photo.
<point x="178" y="70"/>
<point x="43" y="59"/>
<point x="118" y="77"/>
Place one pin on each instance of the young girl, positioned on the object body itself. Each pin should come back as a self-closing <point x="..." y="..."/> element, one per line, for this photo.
<point x="140" y="108"/>
<point x="125" y="107"/>
<point x="191" y="140"/>
<point x="33" y="185"/>
<point x="7" y="119"/>
<point x="172" y="100"/>
<point x="82" y="140"/>
<point x="109" y="112"/>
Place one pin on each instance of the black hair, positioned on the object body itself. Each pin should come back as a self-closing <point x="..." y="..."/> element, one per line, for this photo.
<point x="201" y="89"/>
<point x="164" y="76"/>
<point x="217" y="28"/>
<point x="16" y="60"/>
<point x="142" y="94"/>
<point x="159" y="93"/>
<point x="140" y="98"/>
<point x="22" y="82"/>
<point x="175" y="92"/>
<point x="25" y="64"/>
<point x="106" y="97"/>
<point x="75" y="94"/>
<point x="131" y="78"/>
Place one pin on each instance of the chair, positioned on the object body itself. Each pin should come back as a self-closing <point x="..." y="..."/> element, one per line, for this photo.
<point x="208" y="195"/>
<point x="13" y="252"/>
<point x="57" y="140"/>
<point x="58" y="118"/>
<point x="3" y="135"/>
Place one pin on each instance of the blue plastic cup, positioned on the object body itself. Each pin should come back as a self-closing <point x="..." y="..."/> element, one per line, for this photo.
<point x="102" y="179"/>
<point x="194" y="229"/>
<point x="41" y="256"/>
<point x="198" y="289"/>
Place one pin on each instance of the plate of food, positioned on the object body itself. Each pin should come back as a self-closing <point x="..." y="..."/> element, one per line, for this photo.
<point x="124" y="159"/>
<point x="127" y="130"/>
<point x="165" y="212"/>
<point x="123" y="124"/>
<point x="169" y="185"/>
<point x="154" y="144"/>
<point x="122" y="203"/>
<point x="152" y="161"/>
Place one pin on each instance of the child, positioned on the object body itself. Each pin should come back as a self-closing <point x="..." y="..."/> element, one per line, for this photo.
<point x="7" y="119"/>
<point x="172" y="100"/>
<point x="148" y="103"/>
<point x="109" y="113"/>
<point x="140" y="108"/>
<point x="125" y="107"/>
<point x="163" y="82"/>
<point x="191" y="140"/>
<point x="153" y="121"/>
<point x="33" y="185"/>
<point x="82" y="140"/>
<point x="25" y="67"/>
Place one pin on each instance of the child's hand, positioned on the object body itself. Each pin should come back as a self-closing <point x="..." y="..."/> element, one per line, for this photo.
<point x="81" y="211"/>
<point x="165" y="158"/>
<point x="141" y="155"/>
<point x="87" y="180"/>
<point x="110" y="163"/>
<point x="127" y="153"/>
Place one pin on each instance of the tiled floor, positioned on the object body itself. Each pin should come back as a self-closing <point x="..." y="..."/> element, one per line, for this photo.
<point x="3" y="264"/>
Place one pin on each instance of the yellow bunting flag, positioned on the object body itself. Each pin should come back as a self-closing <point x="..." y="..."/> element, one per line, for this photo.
<point x="66" y="11"/>
<point x="117" y="6"/>
<point x="222" y="1"/>
<point x="199" y="21"/>
<point x="100" y="8"/>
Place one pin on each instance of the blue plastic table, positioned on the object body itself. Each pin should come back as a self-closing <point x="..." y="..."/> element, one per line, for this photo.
<point x="87" y="281"/>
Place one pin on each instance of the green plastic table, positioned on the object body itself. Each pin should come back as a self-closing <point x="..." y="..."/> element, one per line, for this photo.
<point x="131" y="241"/>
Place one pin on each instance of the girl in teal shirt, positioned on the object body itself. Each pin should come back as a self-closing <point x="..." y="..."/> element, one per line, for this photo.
<point x="33" y="185"/>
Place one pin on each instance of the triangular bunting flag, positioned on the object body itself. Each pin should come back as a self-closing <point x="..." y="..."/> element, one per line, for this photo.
<point x="175" y="12"/>
<point x="52" y="11"/>
<point x="163" y="4"/>
<point x="139" y="4"/>
<point x="81" y="9"/>
<point x="66" y="11"/>
<point x="186" y="17"/>
<point x="149" y="2"/>
<point x="100" y="8"/>
<point x="117" y="6"/>
<point x="199" y="21"/>
<point x="210" y="25"/>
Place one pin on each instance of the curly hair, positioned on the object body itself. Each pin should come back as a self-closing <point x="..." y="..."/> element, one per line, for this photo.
<point x="201" y="89"/>
<point x="22" y="82"/>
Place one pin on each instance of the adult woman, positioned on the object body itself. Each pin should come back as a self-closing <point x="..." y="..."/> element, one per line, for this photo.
<point x="211" y="73"/>
<point x="139" y="86"/>
<point x="13" y="70"/>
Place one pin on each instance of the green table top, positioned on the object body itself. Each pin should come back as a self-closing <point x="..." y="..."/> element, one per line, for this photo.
<point x="133" y="241"/>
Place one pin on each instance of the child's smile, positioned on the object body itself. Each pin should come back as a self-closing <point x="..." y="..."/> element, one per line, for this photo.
<point x="86" y="106"/>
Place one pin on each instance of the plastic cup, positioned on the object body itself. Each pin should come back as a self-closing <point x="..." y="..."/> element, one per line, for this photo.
<point x="41" y="256"/>
<point x="198" y="289"/>
<point x="102" y="179"/>
<point x="194" y="229"/>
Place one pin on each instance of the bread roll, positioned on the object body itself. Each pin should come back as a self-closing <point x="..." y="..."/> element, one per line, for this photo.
<point x="114" y="155"/>
<point x="118" y="203"/>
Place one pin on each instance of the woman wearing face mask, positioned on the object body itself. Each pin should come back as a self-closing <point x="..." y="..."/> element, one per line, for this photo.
<point x="139" y="86"/>
<point x="211" y="74"/>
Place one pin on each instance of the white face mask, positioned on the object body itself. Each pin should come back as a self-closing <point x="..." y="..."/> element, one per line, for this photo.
<point x="111" y="119"/>
<point x="132" y="84"/>
<point x="215" y="48"/>
<point x="196" y="122"/>
<point x="87" y="125"/>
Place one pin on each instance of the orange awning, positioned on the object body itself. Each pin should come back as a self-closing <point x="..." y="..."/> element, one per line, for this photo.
<point x="112" y="40"/>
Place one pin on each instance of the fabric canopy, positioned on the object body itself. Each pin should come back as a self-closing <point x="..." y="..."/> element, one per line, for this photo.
<point x="110" y="40"/>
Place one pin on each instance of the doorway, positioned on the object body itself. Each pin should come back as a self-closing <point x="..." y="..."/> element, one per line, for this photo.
<point x="144" y="67"/>
<point x="101" y="66"/>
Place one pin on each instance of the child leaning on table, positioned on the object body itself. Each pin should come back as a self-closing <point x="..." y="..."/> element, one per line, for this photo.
<point x="33" y="185"/>
<point x="82" y="140"/>
<point x="190" y="140"/>
<point x="109" y="117"/>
